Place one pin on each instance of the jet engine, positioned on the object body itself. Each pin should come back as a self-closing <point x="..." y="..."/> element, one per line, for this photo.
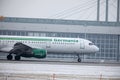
<point x="39" y="53"/>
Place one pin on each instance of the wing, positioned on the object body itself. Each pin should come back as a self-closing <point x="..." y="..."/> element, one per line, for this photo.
<point x="20" y="48"/>
<point x="6" y="49"/>
<point x="23" y="50"/>
<point x="17" y="46"/>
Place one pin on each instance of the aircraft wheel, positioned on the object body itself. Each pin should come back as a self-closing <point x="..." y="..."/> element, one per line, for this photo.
<point x="79" y="60"/>
<point x="9" y="57"/>
<point x="17" y="58"/>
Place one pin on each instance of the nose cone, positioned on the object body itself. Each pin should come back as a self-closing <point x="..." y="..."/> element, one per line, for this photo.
<point x="93" y="49"/>
<point x="96" y="49"/>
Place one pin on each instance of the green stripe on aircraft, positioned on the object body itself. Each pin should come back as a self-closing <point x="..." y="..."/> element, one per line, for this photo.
<point x="30" y="39"/>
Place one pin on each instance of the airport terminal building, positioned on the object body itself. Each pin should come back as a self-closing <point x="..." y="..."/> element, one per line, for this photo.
<point x="106" y="35"/>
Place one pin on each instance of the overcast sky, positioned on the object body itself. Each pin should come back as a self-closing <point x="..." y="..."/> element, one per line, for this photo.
<point x="57" y="9"/>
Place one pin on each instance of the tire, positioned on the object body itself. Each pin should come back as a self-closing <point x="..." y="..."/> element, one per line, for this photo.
<point x="79" y="60"/>
<point x="17" y="58"/>
<point x="9" y="57"/>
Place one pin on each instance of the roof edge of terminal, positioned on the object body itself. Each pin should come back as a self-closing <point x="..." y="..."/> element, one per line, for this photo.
<point x="59" y="21"/>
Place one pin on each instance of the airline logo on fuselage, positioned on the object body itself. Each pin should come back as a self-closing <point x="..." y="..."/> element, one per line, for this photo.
<point x="40" y="39"/>
<point x="65" y="40"/>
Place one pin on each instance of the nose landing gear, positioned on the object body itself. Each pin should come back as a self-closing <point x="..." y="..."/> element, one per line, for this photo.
<point x="79" y="59"/>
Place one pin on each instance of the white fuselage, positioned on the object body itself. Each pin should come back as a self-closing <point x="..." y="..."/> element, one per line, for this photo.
<point x="51" y="44"/>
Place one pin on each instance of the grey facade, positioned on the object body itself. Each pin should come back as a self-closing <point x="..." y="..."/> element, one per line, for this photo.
<point x="106" y="35"/>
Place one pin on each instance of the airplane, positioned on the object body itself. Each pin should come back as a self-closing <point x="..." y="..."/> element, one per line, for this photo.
<point x="39" y="47"/>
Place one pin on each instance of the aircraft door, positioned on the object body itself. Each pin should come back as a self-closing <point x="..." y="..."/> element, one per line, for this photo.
<point x="82" y="44"/>
<point x="48" y="45"/>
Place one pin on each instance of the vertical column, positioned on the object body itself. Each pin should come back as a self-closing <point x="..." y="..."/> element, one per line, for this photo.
<point x="118" y="49"/>
<point x="118" y="10"/>
<point x="106" y="19"/>
<point x="98" y="9"/>
<point x="2" y="18"/>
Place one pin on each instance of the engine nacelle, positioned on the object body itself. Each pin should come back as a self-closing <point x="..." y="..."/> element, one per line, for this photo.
<point x="39" y="53"/>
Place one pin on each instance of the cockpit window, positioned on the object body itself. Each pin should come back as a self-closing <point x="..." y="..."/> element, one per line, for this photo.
<point x="91" y="43"/>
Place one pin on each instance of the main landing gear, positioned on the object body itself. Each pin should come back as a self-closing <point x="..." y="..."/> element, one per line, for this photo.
<point x="17" y="58"/>
<point x="79" y="59"/>
<point x="10" y="57"/>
